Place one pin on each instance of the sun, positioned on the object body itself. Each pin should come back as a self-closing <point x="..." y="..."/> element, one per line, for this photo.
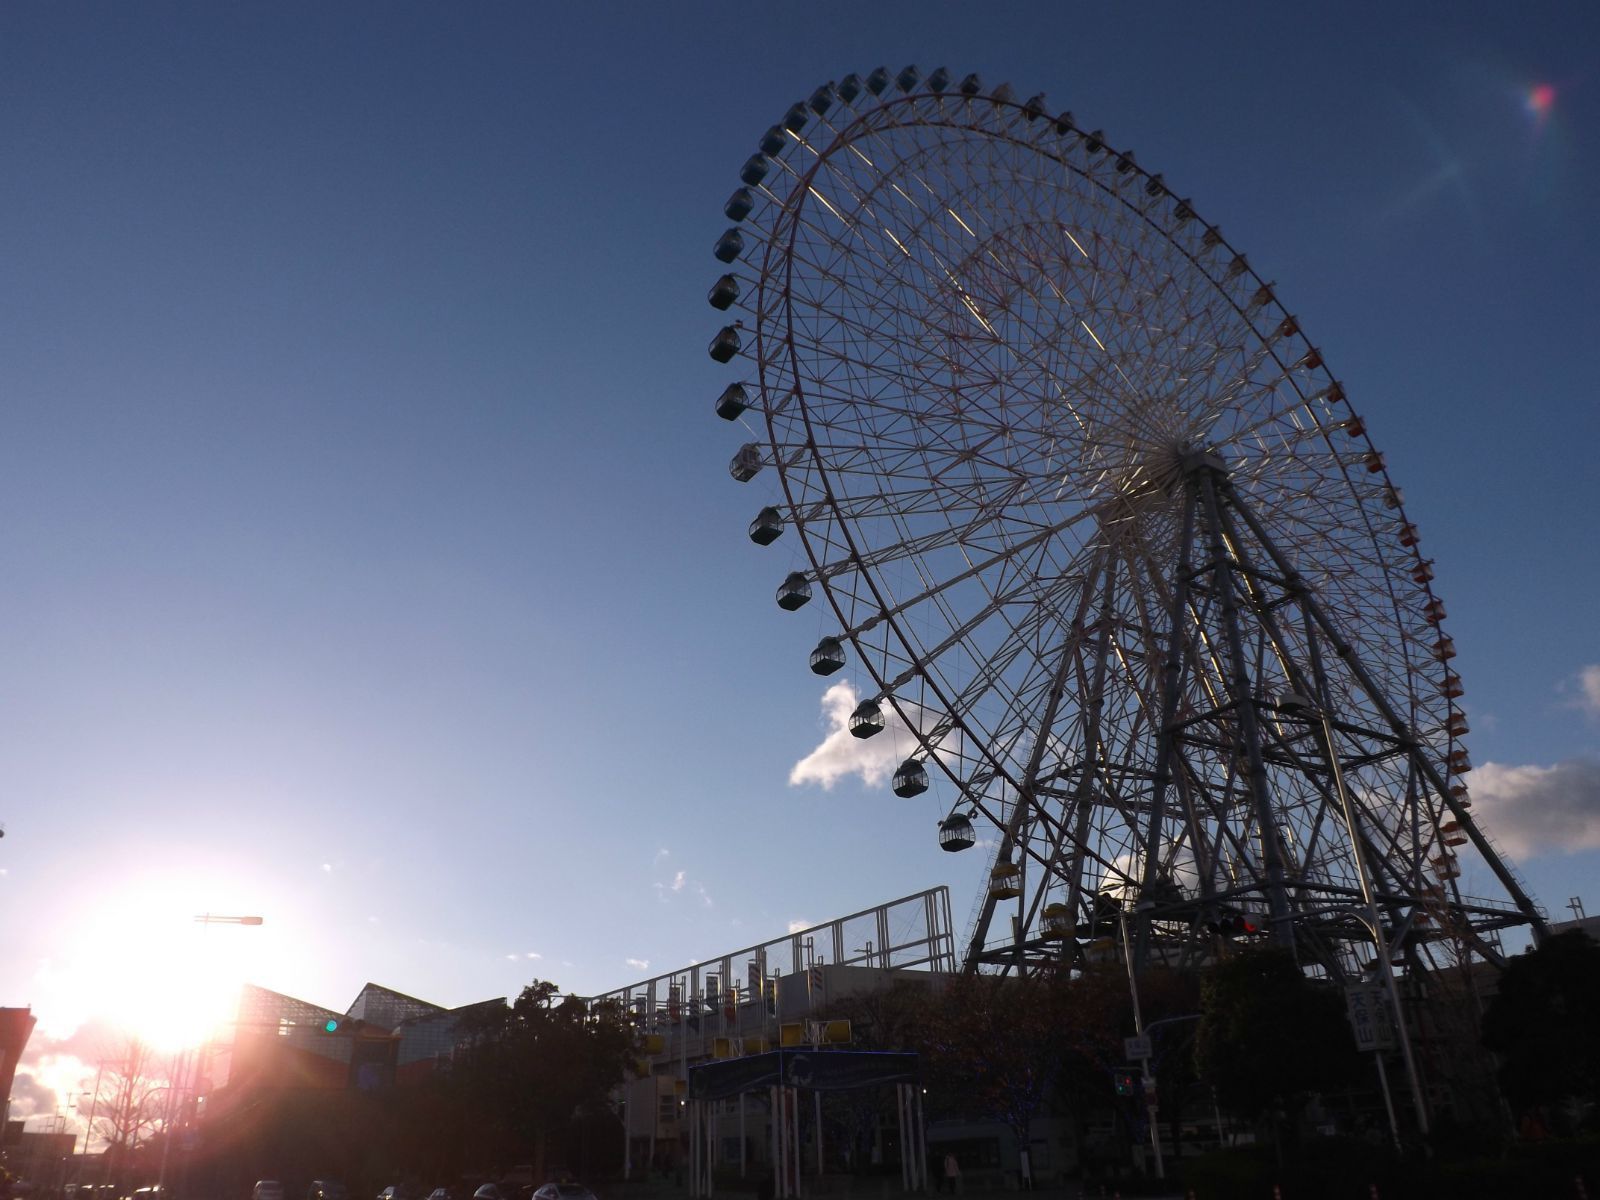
<point x="138" y="961"/>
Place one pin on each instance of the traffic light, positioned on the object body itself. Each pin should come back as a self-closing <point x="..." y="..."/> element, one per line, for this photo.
<point x="331" y="1025"/>
<point x="1124" y="1082"/>
<point x="1231" y="924"/>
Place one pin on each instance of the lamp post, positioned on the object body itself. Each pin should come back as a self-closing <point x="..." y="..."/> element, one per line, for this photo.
<point x="1322" y="732"/>
<point x="1151" y="1097"/>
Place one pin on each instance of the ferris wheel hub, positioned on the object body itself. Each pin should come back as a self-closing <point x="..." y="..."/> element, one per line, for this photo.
<point x="1210" y="459"/>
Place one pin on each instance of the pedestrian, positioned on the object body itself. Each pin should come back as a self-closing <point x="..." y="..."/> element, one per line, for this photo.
<point x="952" y="1172"/>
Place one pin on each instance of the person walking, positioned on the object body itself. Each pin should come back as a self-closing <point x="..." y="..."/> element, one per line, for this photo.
<point x="952" y="1173"/>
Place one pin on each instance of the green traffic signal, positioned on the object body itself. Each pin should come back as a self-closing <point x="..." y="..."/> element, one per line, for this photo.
<point x="332" y="1025"/>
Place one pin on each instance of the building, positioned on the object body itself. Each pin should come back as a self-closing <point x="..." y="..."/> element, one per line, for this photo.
<point x="42" y="1158"/>
<point x="16" y="1027"/>
<point x="383" y="1037"/>
<point x="757" y="999"/>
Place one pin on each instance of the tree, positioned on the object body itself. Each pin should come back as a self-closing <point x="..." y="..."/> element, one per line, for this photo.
<point x="1268" y="1036"/>
<point x="889" y="1018"/>
<point x="131" y="1103"/>
<point x="994" y="1046"/>
<point x="527" y="1070"/>
<point x="1542" y="1025"/>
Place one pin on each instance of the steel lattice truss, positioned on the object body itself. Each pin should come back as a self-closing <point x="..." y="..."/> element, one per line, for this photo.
<point x="1099" y="527"/>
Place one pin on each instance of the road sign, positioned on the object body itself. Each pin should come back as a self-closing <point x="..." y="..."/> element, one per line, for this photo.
<point x="1137" y="1048"/>
<point x="1370" y="1019"/>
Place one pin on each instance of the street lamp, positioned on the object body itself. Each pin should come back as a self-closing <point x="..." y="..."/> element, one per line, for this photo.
<point x="1149" y="1079"/>
<point x="1322" y="732"/>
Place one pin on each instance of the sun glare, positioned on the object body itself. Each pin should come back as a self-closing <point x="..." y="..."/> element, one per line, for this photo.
<point x="144" y="966"/>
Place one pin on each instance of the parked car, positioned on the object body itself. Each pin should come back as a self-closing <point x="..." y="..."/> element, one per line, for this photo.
<point x="267" y="1189"/>
<point x="488" y="1191"/>
<point x="442" y="1193"/>
<point x="563" y="1191"/>
<point x="327" y="1189"/>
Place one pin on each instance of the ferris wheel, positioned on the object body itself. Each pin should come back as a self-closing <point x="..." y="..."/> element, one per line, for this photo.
<point x="1096" y="528"/>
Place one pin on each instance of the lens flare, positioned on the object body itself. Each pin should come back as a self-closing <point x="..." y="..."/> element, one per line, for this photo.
<point x="1541" y="98"/>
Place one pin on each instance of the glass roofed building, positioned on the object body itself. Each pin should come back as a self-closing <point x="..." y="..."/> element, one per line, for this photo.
<point x="382" y="1037"/>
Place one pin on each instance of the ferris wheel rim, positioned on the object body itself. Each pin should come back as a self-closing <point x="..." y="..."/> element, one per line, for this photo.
<point x="822" y="496"/>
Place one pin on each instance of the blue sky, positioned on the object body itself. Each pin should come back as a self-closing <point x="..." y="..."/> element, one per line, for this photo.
<point x="371" y="561"/>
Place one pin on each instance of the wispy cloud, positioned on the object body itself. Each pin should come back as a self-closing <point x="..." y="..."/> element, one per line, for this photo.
<point x="681" y="884"/>
<point x="796" y="925"/>
<point x="638" y="964"/>
<point x="841" y="754"/>
<point x="1535" y="810"/>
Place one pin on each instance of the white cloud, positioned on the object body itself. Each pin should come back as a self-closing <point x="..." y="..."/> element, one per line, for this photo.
<point x="842" y="754"/>
<point x="682" y="883"/>
<point x="662" y="855"/>
<point x="327" y="868"/>
<point x="1534" y="810"/>
<point x="533" y="954"/>
<point x="638" y="964"/>
<point x="1589" y="689"/>
<point x="796" y="925"/>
